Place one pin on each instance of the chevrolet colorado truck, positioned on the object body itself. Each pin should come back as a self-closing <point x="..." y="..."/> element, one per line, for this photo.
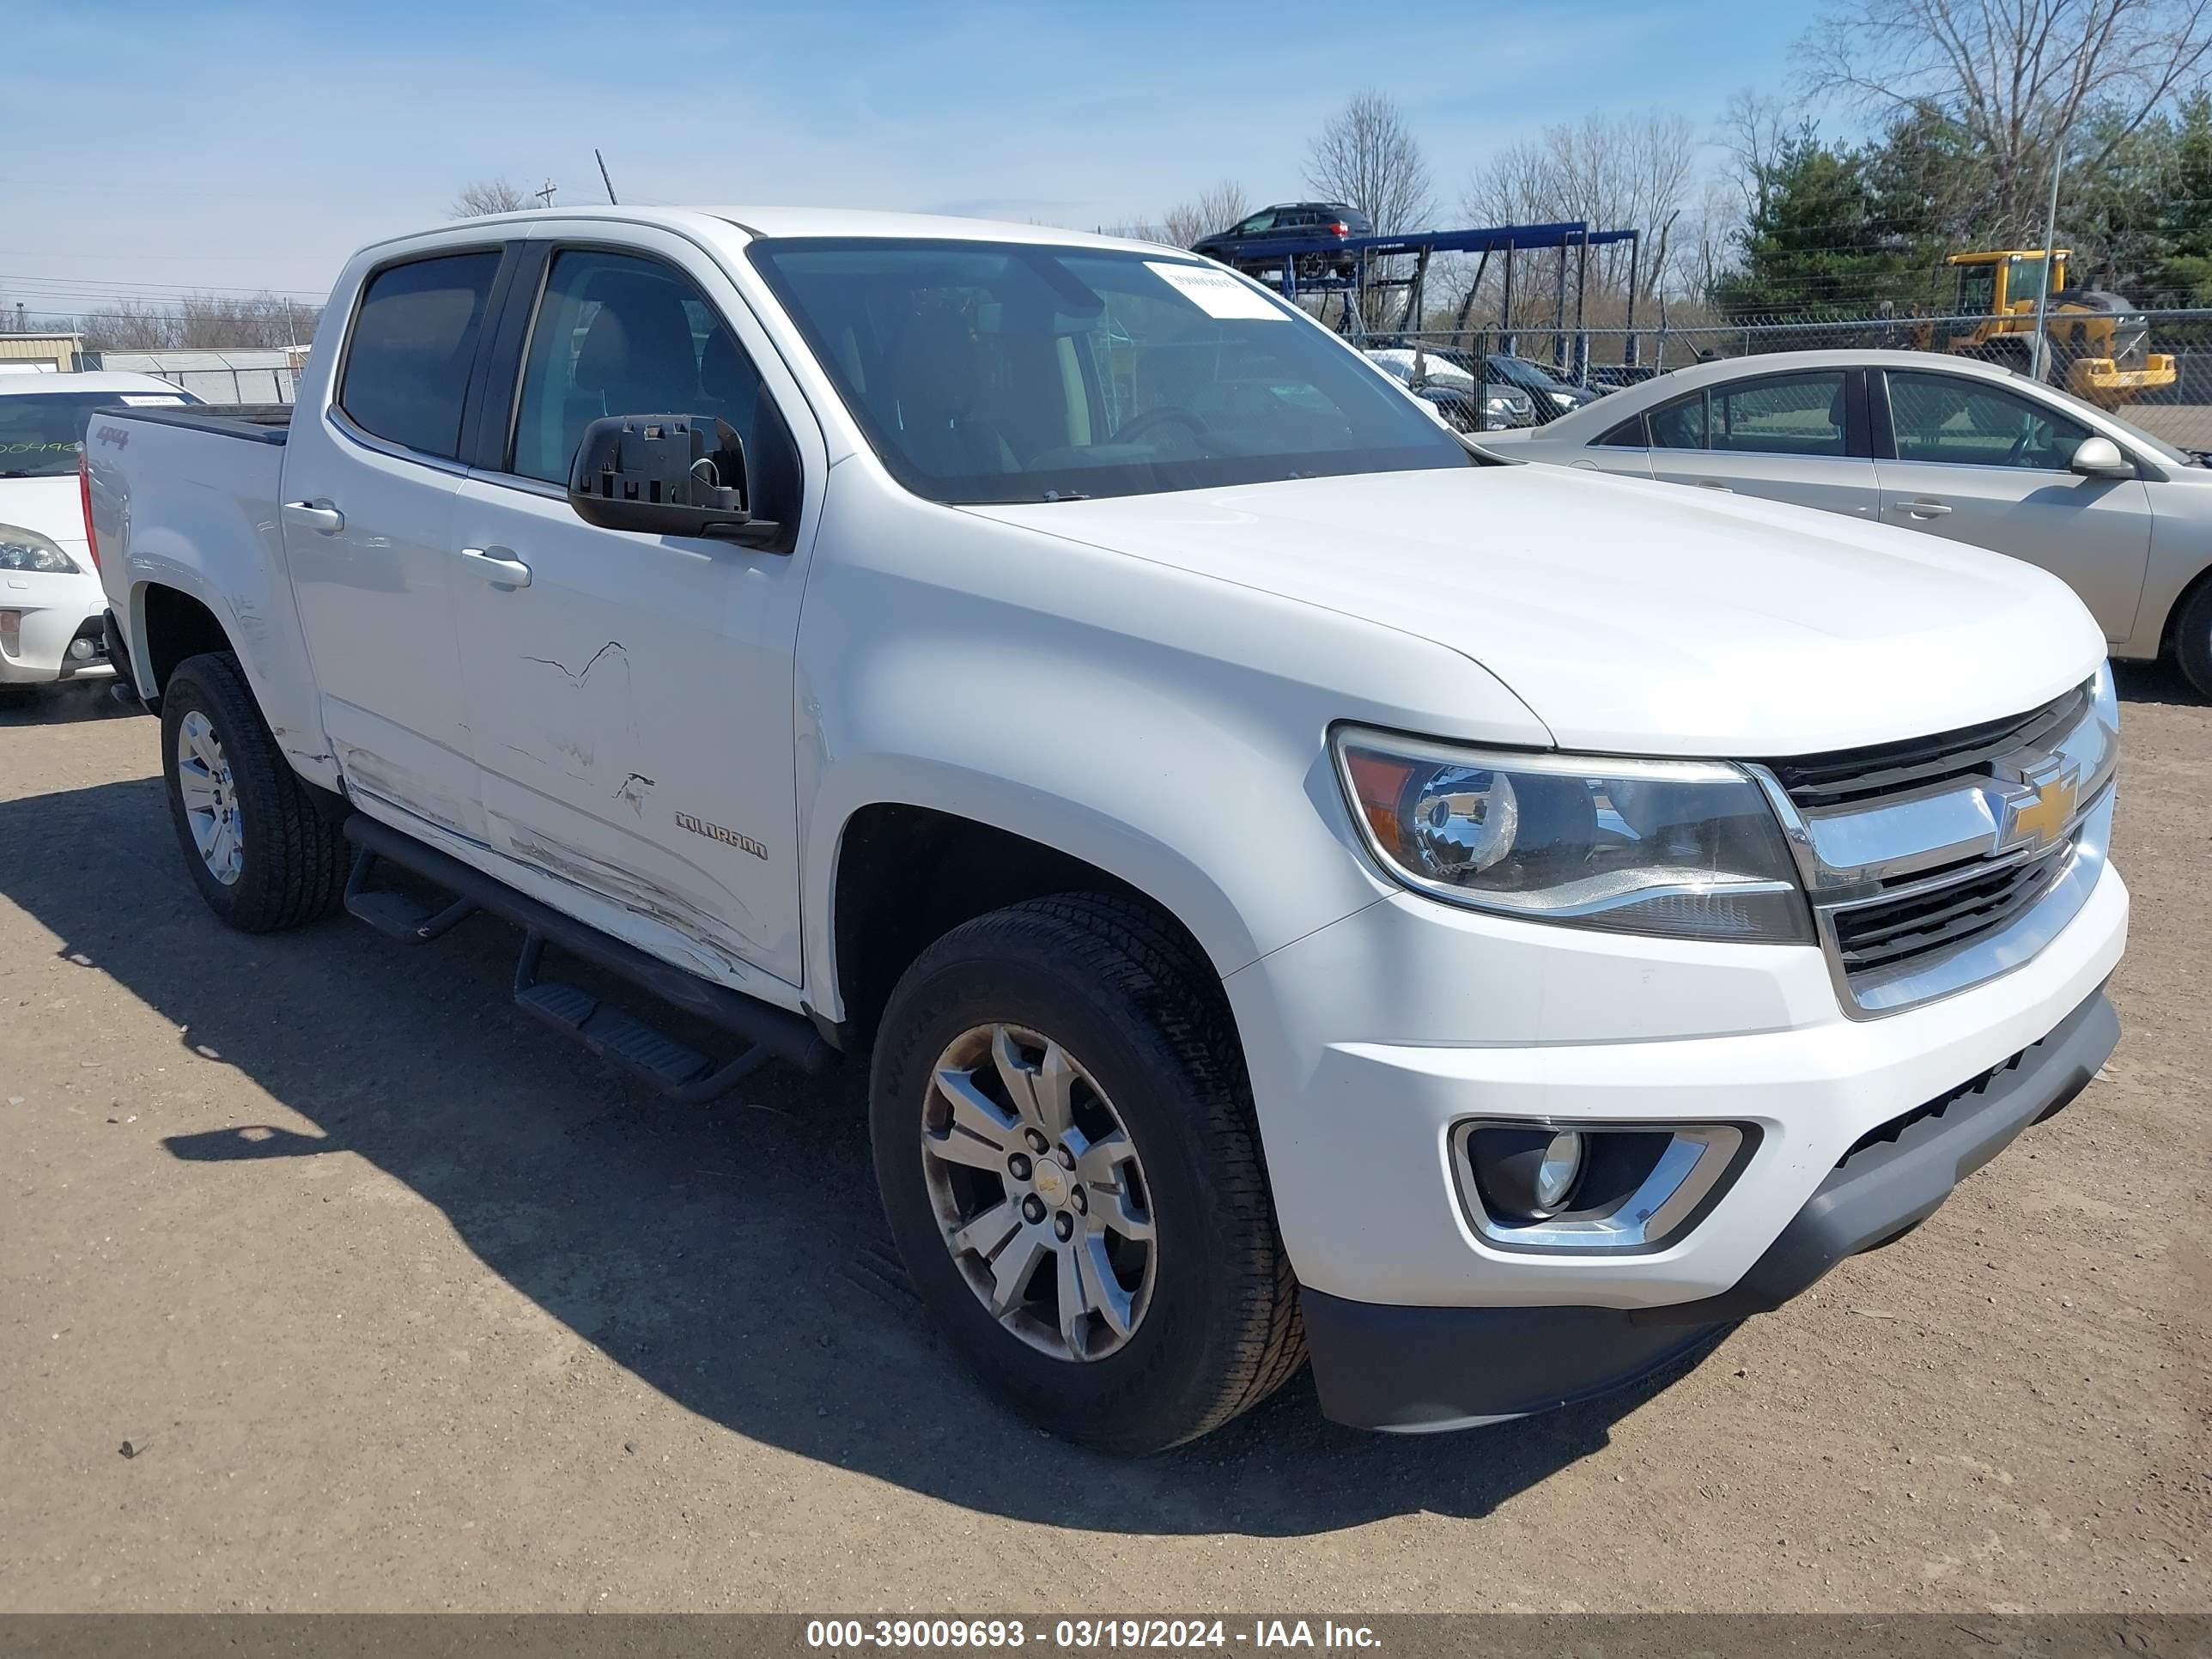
<point x="1302" y="888"/>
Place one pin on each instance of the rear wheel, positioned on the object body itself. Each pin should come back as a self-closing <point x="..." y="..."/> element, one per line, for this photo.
<point x="1064" y="1140"/>
<point x="261" y="853"/>
<point x="2192" y="638"/>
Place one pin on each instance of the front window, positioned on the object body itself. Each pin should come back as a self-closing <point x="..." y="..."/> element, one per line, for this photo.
<point x="1949" y="419"/>
<point x="1521" y="373"/>
<point x="1977" y="290"/>
<point x="2025" y="281"/>
<point x="42" y="432"/>
<point x="995" y="373"/>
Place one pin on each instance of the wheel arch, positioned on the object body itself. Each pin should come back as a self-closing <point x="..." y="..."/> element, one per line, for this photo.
<point x="905" y="872"/>
<point x="172" y="624"/>
<point x="179" y="613"/>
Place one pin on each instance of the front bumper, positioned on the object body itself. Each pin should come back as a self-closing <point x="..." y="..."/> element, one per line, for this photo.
<point x="1416" y="1369"/>
<point x="48" y="612"/>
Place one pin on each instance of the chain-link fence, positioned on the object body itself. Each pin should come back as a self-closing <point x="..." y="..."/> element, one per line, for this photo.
<point x="2151" y="369"/>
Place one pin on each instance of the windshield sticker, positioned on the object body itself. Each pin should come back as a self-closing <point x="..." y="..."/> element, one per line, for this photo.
<point x="1216" y="293"/>
<point x="147" y="400"/>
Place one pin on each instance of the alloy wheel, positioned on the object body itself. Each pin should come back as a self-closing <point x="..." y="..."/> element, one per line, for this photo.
<point x="210" y="798"/>
<point x="1038" y="1192"/>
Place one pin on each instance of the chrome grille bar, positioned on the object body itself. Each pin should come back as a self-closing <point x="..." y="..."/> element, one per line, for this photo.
<point x="1936" y="864"/>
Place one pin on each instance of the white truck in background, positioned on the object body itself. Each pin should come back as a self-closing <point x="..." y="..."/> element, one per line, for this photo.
<point x="1302" y="887"/>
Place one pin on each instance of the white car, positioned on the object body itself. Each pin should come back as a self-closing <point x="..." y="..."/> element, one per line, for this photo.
<point x="50" y="597"/>
<point x="1300" y="887"/>
<point x="1969" y="451"/>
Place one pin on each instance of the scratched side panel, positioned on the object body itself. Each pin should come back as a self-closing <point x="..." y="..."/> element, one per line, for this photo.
<point x="631" y="711"/>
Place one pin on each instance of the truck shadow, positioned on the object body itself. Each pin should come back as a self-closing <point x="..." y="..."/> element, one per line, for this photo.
<point x="732" y="1257"/>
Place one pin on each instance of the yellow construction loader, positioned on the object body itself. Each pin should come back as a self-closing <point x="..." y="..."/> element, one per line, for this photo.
<point x="2100" y="347"/>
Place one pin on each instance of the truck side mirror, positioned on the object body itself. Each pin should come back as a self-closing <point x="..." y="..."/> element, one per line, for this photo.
<point x="666" y="474"/>
<point x="2100" y="457"/>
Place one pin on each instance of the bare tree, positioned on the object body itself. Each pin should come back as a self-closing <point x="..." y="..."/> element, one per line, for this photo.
<point x="1753" y="131"/>
<point x="487" y="196"/>
<point x="2016" y="76"/>
<point x="1613" y="173"/>
<point x="1184" y="223"/>
<point x="1367" y="157"/>
<point x="210" y="321"/>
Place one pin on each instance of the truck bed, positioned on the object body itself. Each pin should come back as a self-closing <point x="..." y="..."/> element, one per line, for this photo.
<point x="265" y="424"/>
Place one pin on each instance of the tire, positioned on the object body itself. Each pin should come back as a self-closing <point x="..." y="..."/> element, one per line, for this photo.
<point x="2192" y="640"/>
<point x="289" y="863"/>
<point x="1216" y="1326"/>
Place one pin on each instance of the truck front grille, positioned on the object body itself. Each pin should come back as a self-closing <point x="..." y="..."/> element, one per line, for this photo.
<point x="1890" y="769"/>
<point x="1973" y="870"/>
<point x="1889" y="932"/>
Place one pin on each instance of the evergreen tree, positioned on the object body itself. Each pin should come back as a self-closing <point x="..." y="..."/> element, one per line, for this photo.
<point x="1816" y="241"/>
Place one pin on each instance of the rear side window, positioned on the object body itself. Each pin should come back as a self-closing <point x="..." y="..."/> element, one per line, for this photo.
<point x="1681" y="424"/>
<point x="407" y="368"/>
<point x="1786" y="415"/>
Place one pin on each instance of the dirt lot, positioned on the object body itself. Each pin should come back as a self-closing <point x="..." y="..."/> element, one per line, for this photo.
<point x="398" y="1305"/>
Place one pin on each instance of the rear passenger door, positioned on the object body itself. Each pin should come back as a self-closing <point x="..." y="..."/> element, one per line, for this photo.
<point x="629" y="695"/>
<point x="1798" y="437"/>
<point x="370" y="481"/>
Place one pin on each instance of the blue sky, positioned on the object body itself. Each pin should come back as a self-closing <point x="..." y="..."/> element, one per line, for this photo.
<point x="242" y="145"/>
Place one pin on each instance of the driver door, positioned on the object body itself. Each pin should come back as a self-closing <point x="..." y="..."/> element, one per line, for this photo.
<point x="1981" y="462"/>
<point x="630" y="694"/>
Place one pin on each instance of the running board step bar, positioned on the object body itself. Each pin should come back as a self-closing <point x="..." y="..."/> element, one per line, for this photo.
<point x="781" y="1034"/>
<point x="621" y="1039"/>
<point x="397" y="915"/>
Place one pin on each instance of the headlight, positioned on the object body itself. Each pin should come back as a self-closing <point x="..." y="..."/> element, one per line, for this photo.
<point x="26" y="550"/>
<point x="1566" y="400"/>
<point x="1688" y="848"/>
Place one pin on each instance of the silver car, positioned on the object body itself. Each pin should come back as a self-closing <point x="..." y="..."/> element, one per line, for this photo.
<point x="1945" y="445"/>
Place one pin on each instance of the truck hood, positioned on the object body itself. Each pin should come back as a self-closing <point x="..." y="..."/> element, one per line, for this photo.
<point x="1635" y="617"/>
<point x="50" y="506"/>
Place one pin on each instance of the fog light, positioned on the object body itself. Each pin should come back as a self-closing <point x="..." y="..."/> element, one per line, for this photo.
<point x="1527" y="1174"/>
<point x="80" y="650"/>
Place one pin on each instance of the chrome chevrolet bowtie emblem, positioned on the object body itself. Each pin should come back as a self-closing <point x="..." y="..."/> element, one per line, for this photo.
<point x="2039" y="818"/>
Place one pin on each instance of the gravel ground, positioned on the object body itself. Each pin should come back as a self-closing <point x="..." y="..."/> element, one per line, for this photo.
<point x="327" y="1282"/>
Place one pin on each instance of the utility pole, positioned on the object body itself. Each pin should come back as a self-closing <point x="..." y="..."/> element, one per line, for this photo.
<point x="2042" y="355"/>
<point x="545" y="194"/>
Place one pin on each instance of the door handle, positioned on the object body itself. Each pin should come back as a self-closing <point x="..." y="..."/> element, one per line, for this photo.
<point x="1923" y="509"/>
<point x="1714" y="483"/>
<point x="497" y="565"/>
<point x="324" y="521"/>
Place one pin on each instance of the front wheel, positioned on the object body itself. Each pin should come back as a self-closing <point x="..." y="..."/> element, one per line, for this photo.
<point x="2192" y="640"/>
<point x="1065" y="1144"/>
<point x="262" y="855"/>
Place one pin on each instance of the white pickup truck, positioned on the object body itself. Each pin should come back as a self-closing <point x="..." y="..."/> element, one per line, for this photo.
<point x="1306" y="887"/>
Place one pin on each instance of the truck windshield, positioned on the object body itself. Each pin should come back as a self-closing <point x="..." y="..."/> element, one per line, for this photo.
<point x="41" y="432"/>
<point x="992" y="373"/>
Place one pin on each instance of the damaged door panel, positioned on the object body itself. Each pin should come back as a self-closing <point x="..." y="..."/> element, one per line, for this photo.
<point x="629" y="688"/>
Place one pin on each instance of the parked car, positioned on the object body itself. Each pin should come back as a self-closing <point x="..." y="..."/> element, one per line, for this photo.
<point x="50" y="597"/>
<point x="1969" y="451"/>
<point x="1451" y="387"/>
<point x="1550" y="396"/>
<point x="1300" y="886"/>
<point x="1262" y="241"/>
